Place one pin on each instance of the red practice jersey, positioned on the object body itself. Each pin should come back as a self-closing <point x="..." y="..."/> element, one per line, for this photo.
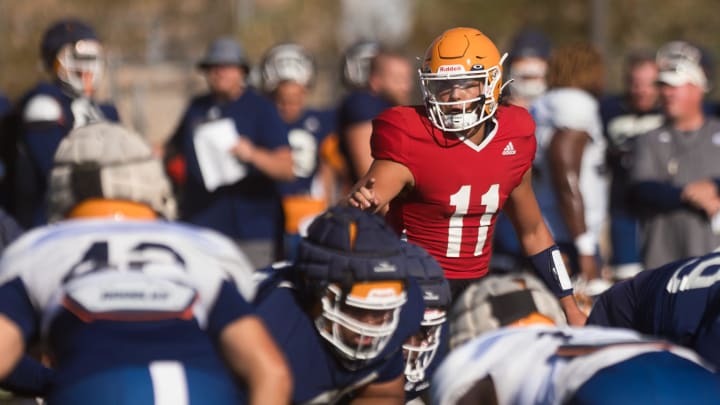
<point x="459" y="186"/>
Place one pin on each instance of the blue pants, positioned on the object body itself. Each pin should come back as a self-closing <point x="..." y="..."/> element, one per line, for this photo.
<point x="624" y="239"/>
<point x="160" y="383"/>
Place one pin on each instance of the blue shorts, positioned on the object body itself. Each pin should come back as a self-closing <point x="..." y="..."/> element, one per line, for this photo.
<point x="160" y="383"/>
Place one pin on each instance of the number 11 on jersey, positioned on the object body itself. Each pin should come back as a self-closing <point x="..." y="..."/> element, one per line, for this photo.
<point x="461" y="201"/>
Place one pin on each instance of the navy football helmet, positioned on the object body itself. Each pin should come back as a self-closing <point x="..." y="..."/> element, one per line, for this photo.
<point x="72" y="52"/>
<point x="420" y="350"/>
<point x="356" y="266"/>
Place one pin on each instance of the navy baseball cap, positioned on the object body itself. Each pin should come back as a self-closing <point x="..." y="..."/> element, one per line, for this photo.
<point x="225" y="51"/>
<point x="61" y="33"/>
<point x="530" y="43"/>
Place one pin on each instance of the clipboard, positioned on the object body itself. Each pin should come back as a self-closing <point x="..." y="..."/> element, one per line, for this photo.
<point x="213" y="141"/>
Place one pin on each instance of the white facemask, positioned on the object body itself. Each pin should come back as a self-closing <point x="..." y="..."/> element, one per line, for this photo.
<point x="528" y="79"/>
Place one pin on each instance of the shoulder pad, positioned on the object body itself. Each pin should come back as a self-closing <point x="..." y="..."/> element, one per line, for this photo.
<point x="42" y="108"/>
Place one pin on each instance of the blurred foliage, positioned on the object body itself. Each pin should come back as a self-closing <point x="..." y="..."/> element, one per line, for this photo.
<point x="151" y="31"/>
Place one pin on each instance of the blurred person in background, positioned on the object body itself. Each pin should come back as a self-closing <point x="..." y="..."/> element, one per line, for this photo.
<point x="236" y="150"/>
<point x="676" y="173"/>
<point x="287" y="73"/>
<point x="355" y="66"/>
<point x="389" y="83"/>
<point x="626" y="116"/>
<point x="74" y="58"/>
<point x="443" y="170"/>
<point x="133" y="309"/>
<point x="527" y="69"/>
<point x="510" y="346"/>
<point x="569" y="168"/>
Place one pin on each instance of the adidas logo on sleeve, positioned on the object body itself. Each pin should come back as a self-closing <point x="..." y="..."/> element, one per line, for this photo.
<point x="509" y="149"/>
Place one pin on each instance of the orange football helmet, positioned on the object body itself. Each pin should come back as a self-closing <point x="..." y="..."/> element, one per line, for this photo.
<point x="461" y="57"/>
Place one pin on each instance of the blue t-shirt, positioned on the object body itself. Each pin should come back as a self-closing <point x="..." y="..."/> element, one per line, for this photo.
<point x="316" y="370"/>
<point x="250" y="208"/>
<point x="359" y="106"/>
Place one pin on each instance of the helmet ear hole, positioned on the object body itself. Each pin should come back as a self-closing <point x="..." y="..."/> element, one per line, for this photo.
<point x="85" y="181"/>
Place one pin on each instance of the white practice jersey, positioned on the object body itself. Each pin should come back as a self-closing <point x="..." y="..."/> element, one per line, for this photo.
<point x="125" y="270"/>
<point x="573" y="109"/>
<point x="539" y="364"/>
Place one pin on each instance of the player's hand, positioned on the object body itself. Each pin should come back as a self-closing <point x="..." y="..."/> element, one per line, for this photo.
<point x="363" y="196"/>
<point x="574" y="315"/>
<point x="702" y="194"/>
<point x="244" y="149"/>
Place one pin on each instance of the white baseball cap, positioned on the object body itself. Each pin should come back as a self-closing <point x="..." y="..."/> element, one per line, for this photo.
<point x="678" y="73"/>
<point x="681" y="63"/>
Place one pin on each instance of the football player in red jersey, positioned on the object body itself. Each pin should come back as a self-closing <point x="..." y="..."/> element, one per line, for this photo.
<point x="442" y="171"/>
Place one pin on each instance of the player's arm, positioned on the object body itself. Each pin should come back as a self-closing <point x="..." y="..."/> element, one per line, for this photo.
<point x="523" y="211"/>
<point x="275" y="163"/>
<point x="43" y="130"/>
<point x="565" y="156"/>
<point x="357" y="138"/>
<point x="12" y="345"/>
<point x="252" y="354"/>
<point x="385" y="180"/>
<point x="382" y="393"/>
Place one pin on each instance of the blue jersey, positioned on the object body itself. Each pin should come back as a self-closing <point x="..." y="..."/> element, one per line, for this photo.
<point x="318" y="374"/>
<point x="48" y="115"/>
<point x="119" y="298"/>
<point x="358" y="107"/>
<point x="306" y="136"/>
<point x="679" y="301"/>
<point x="250" y="208"/>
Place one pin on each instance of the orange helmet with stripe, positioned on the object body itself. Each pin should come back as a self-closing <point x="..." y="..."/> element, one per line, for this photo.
<point x="462" y="58"/>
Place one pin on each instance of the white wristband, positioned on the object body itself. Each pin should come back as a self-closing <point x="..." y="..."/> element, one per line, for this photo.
<point x="586" y="244"/>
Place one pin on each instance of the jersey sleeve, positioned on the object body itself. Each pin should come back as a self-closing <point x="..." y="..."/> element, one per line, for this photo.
<point x="43" y="130"/>
<point x="575" y="110"/>
<point x="29" y="378"/>
<point x="15" y="304"/>
<point x="389" y="140"/>
<point x="229" y="307"/>
<point x="232" y="261"/>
